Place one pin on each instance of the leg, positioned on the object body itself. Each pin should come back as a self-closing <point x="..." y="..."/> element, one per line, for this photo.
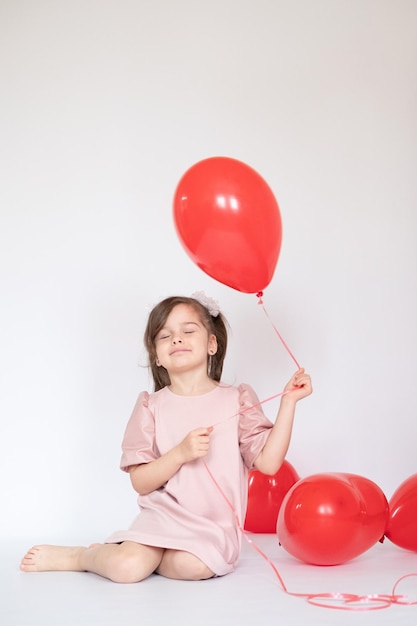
<point x="127" y="562"/>
<point x="183" y="566"/>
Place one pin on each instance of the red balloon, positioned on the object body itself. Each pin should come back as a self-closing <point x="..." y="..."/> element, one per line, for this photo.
<point x="375" y="521"/>
<point x="265" y="496"/>
<point x="325" y="519"/>
<point x="402" y="525"/>
<point x="228" y="221"/>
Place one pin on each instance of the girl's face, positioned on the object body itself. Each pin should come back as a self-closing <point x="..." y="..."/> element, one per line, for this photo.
<point x="183" y="344"/>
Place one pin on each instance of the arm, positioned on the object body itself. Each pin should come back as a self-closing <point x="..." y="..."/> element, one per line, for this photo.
<point x="148" y="477"/>
<point x="270" y="459"/>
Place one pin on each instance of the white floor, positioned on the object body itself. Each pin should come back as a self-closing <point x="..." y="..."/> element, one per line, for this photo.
<point x="251" y="596"/>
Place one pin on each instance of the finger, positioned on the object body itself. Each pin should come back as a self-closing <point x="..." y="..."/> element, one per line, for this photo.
<point x="301" y="379"/>
<point x="298" y="382"/>
<point x="206" y="432"/>
<point x="203" y="430"/>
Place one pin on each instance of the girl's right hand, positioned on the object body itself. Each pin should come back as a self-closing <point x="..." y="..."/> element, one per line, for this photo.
<point x="196" y="444"/>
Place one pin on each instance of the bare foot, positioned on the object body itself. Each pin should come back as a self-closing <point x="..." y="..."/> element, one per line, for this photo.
<point x="52" y="558"/>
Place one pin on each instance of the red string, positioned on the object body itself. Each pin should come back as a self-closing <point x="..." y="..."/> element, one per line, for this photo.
<point x="260" y="302"/>
<point x="252" y="406"/>
<point x="339" y="601"/>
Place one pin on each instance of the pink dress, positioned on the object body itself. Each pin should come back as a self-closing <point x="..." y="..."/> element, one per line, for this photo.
<point x="189" y="512"/>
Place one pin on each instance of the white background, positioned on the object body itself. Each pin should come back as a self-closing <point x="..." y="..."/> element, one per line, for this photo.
<point x="104" y="105"/>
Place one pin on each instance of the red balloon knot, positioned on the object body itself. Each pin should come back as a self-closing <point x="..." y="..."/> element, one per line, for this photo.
<point x="259" y="295"/>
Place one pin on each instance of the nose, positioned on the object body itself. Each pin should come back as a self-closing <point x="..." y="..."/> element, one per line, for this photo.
<point x="176" y="339"/>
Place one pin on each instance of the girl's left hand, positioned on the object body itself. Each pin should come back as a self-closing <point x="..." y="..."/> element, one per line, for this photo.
<point x="299" y="386"/>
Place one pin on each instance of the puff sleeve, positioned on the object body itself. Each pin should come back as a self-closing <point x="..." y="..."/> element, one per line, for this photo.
<point x="254" y="426"/>
<point x="139" y="444"/>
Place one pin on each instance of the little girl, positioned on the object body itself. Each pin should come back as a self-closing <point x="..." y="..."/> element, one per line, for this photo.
<point x="191" y="430"/>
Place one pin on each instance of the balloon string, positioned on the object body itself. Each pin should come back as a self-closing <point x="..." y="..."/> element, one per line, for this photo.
<point x="340" y="601"/>
<point x="252" y="406"/>
<point x="280" y="337"/>
<point x="239" y="525"/>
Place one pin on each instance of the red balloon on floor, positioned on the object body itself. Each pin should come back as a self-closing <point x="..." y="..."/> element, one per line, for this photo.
<point x="327" y="519"/>
<point x="265" y="496"/>
<point x="376" y="511"/>
<point x="228" y="221"/>
<point x="402" y="525"/>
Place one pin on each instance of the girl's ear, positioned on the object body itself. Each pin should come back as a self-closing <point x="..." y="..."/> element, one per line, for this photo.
<point x="212" y="344"/>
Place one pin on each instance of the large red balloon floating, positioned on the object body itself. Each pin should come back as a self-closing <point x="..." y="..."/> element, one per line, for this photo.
<point x="327" y="519"/>
<point x="229" y="223"/>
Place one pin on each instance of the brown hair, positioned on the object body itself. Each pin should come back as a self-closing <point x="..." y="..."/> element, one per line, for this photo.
<point x="216" y="326"/>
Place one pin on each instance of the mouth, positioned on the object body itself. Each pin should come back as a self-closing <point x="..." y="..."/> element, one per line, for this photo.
<point x="178" y="351"/>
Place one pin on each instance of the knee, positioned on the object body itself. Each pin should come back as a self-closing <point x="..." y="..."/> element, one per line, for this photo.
<point x="199" y="571"/>
<point x="133" y="563"/>
<point x="127" y="569"/>
<point x="184" y="566"/>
